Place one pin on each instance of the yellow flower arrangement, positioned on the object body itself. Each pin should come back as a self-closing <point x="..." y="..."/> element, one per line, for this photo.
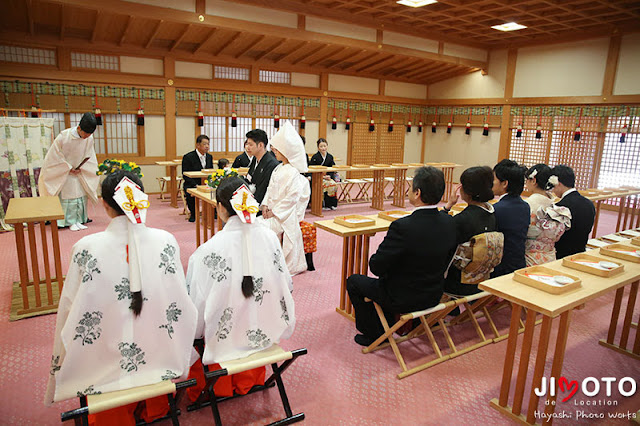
<point x="216" y="177"/>
<point x="109" y="166"/>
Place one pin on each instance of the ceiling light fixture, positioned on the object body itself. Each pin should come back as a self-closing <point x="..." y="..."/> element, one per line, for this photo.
<point x="509" y="26"/>
<point x="416" y="3"/>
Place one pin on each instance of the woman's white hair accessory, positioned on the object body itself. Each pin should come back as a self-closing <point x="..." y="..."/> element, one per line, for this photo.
<point x="553" y="180"/>
<point x="533" y="174"/>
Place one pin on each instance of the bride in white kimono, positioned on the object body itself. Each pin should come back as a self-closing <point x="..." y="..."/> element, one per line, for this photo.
<point x="69" y="171"/>
<point x="125" y="318"/>
<point x="287" y="196"/>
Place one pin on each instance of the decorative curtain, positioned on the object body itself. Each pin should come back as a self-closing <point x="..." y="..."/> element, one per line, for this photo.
<point x="23" y="145"/>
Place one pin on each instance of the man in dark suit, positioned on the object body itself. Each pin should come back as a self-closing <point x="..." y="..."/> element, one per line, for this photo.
<point x="242" y="160"/>
<point x="410" y="262"/>
<point x="512" y="215"/>
<point x="262" y="164"/>
<point x="583" y="213"/>
<point x="195" y="161"/>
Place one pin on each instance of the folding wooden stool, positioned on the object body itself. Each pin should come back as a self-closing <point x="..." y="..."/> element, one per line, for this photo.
<point x="92" y="404"/>
<point x="428" y="318"/>
<point x="272" y="355"/>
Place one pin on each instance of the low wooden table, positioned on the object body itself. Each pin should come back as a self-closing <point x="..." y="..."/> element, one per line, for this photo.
<point x="627" y="209"/>
<point x="173" y="182"/>
<point x="355" y="254"/>
<point x="33" y="210"/>
<point x="551" y="306"/>
<point x="205" y="226"/>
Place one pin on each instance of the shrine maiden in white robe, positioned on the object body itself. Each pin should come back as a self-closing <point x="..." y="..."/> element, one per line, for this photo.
<point x="232" y="325"/>
<point x="100" y="346"/>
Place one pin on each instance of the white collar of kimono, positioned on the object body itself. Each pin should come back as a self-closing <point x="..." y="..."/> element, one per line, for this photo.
<point x="433" y="206"/>
<point x="74" y="133"/>
<point x="289" y="143"/>
<point x="567" y="192"/>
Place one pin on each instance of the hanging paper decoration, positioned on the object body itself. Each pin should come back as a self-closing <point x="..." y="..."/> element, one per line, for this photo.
<point x="519" y="130"/>
<point x="276" y="121"/>
<point x="485" y="127"/>
<point x="434" y="124"/>
<point x="467" y="130"/>
<point x="234" y="116"/>
<point x="303" y="119"/>
<point x="34" y="107"/>
<point x="625" y="128"/>
<point x="390" y="129"/>
<point x="140" y="111"/>
<point x="96" y="112"/>
<point x="200" y="114"/>
<point x="419" y="126"/>
<point x="347" y="124"/>
<point x="450" y="123"/>
<point x="539" y="126"/>
<point x="578" y="132"/>
<point x="409" y="125"/>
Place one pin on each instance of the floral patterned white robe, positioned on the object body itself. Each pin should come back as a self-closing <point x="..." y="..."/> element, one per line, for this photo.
<point x="234" y="326"/>
<point x="100" y="346"/>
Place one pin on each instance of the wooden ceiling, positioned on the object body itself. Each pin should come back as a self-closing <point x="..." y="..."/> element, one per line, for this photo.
<point x="128" y="28"/>
<point x="469" y="21"/>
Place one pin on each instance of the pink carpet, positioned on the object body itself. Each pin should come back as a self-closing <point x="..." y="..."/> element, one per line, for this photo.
<point x="335" y="383"/>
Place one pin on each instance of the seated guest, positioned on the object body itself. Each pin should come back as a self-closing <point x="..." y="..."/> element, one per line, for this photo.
<point x="241" y="287"/>
<point x="125" y="318"/>
<point x="477" y="218"/>
<point x="512" y="215"/>
<point x="288" y="195"/>
<point x="261" y="166"/>
<point x="223" y="163"/>
<point x="583" y="212"/>
<point x="410" y="262"/>
<point x="242" y="160"/>
<point x="195" y="161"/>
<point x="323" y="158"/>
<point x="548" y="221"/>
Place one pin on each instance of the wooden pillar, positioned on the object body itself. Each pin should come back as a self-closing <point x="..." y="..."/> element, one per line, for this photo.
<point x="170" y="109"/>
<point x="324" y="105"/>
<point x="505" y="131"/>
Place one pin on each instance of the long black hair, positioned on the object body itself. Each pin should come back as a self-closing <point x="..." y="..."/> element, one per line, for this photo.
<point x="477" y="182"/>
<point x="108" y="189"/>
<point x="541" y="173"/>
<point x="225" y="191"/>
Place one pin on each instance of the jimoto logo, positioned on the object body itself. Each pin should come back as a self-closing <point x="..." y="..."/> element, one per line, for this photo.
<point x="590" y="387"/>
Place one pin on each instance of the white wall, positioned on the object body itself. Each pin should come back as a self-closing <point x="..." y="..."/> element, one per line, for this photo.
<point x="465" y="52"/>
<point x="154" y="139"/>
<point x="341" y="29"/>
<point x="410" y="42"/>
<point x="311" y="132"/>
<point x="338" y="142"/>
<point x="186" y="5"/>
<point x="347" y="83"/>
<point x="568" y="69"/>
<point x="472" y="150"/>
<point x="627" y="81"/>
<point x="185" y="135"/>
<point x="475" y="85"/>
<point x="405" y="90"/>
<point x="151" y="173"/>
<point x="305" y="80"/>
<point x="194" y="70"/>
<point x="138" y="65"/>
<point x="251" y="13"/>
<point x="412" y="144"/>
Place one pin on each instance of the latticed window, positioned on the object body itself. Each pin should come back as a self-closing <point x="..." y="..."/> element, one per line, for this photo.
<point x="620" y="164"/>
<point x="265" y="76"/>
<point x="90" y="60"/>
<point x="237" y="135"/>
<point x="215" y="128"/>
<point x="231" y="73"/>
<point x="117" y="135"/>
<point x="266" y="124"/>
<point x="58" y="121"/>
<point x="27" y="55"/>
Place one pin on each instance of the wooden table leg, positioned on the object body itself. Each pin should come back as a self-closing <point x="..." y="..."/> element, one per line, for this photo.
<point x="45" y="256"/>
<point x="398" y="187"/>
<point x="621" y="208"/>
<point x="316" y="194"/>
<point x="173" y="186"/>
<point x="35" y="270"/>
<point x="558" y="360"/>
<point x="55" y="240"/>
<point x="343" y="281"/>
<point x="523" y="369"/>
<point x="627" y="324"/>
<point x="205" y="222"/>
<point x="510" y="355"/>
<point x="538" y="371"/>
<point x="197" y="213"/>
<point x="378" y="190"/>
<point x="597" y="218"/>
<point x="22" y="263"/>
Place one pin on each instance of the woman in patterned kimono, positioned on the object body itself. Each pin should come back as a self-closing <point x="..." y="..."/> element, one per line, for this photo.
<point x="125" y="318"/>
<point x="287" y="196"/>
<point x="548" y="221"/>
<point x="243" y="295"/>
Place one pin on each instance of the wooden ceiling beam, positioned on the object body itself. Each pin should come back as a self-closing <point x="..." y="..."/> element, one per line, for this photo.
<point x="126" y="30"/>
<point x="310" y="54"/>
<point x="180" y="38"/>
<point x="249" y="46"/>
<point x="414" y="65"/>
<point x="373" y="64"/>
<point x="201" y="7"/>
<point x="378" y="68"/>
<point x="233" y="38"/>
<point x="205" y="41"/>
<point x="63" y="20"/>
<point x="325" y="57"/>
<point x="30" y="17"/>
<point x="360" y="61"/>
<point x="347" y="57"/>
<point x="292" y="51"/>
<point x="270" y="49"/>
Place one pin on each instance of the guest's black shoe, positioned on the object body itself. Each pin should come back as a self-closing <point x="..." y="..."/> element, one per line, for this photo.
<point x="192" y="218"/>
<point x="455" y="312"/>
<point x="89" y="221"/>
<point x="363" y="340"/>
<point x="309" y="258"/>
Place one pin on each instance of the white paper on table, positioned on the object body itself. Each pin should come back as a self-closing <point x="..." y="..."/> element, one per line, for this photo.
<point x="357" y="220"/>
<point x="631" y="233"/>
<point x="399" y="215"/>
<point x="629" y="252"/>
<point x="594" y="265"/>
<point x="546" y="280"/>
<point x="597" y="243"/>
<point x="614" y="237"/>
